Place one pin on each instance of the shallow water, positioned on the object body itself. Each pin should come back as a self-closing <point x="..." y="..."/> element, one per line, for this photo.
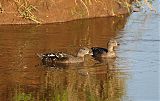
<point x="133" y="76"/>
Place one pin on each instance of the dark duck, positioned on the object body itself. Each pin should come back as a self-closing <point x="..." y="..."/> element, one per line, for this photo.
<point x="64" y="58"/>
<point x="109" y="52"/>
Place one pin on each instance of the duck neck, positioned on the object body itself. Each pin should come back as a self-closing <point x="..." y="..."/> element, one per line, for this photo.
<point x="80" y="55"/>
<point x="110" y="48"/>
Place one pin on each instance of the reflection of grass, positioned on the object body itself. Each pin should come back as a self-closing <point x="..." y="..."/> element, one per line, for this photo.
<point x="90" y="96"/>
<point x="26" y="10"/>
<point x="20" y="95"/>
<point x="23" y="97"/>
<point x="61" y="97"/>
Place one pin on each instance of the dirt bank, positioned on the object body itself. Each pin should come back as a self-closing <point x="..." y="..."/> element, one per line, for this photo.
<point x="50" y="11"/>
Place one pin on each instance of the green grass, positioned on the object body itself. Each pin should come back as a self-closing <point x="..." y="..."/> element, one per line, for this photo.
<point x="20" y="96"/>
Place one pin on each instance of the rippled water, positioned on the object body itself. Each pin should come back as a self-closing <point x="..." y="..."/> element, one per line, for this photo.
<point x="140" y="53"/>
<point x="133" y="76"/>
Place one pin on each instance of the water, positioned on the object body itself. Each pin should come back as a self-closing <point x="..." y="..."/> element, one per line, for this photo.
<point x="133" y="76"/>
<point x="140" y="52"/>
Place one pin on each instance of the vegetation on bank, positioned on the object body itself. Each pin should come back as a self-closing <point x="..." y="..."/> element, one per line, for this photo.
<point x="26" y="10"/>
<point x="142" y="3"/>
<point x="81" y="9"/>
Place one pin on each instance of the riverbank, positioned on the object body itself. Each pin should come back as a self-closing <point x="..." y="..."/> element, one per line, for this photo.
<point x="50" y="11"/>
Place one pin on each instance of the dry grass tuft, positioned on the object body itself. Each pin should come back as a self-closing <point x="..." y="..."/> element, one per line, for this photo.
<point x="26" y="10"/>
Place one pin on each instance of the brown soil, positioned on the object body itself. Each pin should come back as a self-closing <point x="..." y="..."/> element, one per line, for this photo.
<point x="50" y="11"/>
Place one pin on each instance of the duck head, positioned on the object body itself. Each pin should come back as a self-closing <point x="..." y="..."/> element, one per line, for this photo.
<point x="84" y="51"/>
<point x="112" y="44"/>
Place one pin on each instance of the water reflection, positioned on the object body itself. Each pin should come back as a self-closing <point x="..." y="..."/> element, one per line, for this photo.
<point x="22" y="77"/>
<point x="86" y="84"/>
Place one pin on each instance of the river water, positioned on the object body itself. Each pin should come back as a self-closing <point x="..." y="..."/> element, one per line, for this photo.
<point x="139" y="53"/>
<point x="132" y="76"/>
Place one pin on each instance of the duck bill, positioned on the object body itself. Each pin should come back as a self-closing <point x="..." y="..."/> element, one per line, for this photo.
<point x="90" y="53"/>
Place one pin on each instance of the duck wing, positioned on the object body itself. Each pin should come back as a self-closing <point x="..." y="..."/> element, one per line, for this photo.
<point x="50" y="59"/>
<point x="54" y="56"/>
<point x="61" y="56"/>
<point x="97" y="51"/>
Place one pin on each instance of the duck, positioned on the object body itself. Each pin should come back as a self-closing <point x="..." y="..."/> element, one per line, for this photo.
<point x="109" y="52"/>
<point x="53" y="58"/>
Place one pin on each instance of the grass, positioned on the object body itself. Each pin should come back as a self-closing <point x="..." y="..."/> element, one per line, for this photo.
<point x="137" y="4"/>
<point x="124" y="4"/>
<point x="26" y="10"/>
<point x="144" y="3"/>
<point x="149" y="4"/>
<point x="84" y="4"/>
<point x="77" y="11"/>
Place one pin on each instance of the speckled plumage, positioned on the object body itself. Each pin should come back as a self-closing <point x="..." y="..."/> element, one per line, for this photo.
<point x="61" y="57"/>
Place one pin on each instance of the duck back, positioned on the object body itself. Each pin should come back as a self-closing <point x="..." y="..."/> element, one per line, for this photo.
<point x="98" y="51"/>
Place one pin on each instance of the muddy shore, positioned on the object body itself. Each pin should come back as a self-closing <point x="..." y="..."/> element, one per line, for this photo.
<point x="50" y="11"/>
